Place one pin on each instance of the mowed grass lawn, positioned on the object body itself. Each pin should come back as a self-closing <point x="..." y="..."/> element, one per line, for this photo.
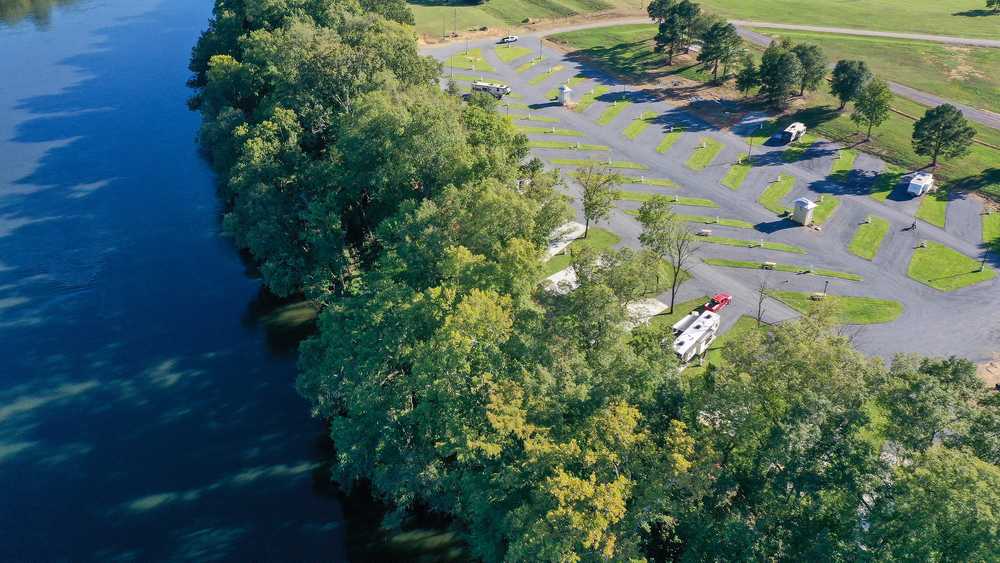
<point x="791" y="268"/>
<point x="508" y="53"/>
<point x="868" y="238"/>
<point x="774" y="195"/>
<point x="991" y="231"/>
<point x="500" y="15"/>
<point x="704" y="154"/>
<point x="469" y="60"/>
<point x="966" y="74"/>
<point x="588" y="98"/>
<point x="934" y="208"/>
<point x="736" y="176"/>
<point x="597" y="239"/>
<point x="887" y="181"/>
<point x="946" y="269"/>
<point x="847" y="309"/>
<point x="626" y="51"/>
<point x="627" y="195"/>
<point x="767" y="245"/>
<point x="825" y="209"/>
<point x="962" y="18"/>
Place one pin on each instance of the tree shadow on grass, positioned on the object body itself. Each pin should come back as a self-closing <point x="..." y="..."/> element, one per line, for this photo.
<point x="978" y="13"/>
<point x="846" y="182"/>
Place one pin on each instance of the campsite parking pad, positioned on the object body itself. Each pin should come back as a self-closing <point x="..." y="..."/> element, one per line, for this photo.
<point x="640" y="144"/>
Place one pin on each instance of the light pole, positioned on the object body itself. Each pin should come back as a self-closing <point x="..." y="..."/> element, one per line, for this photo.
<point x="826" y="286"/>
<point x="982" y="265"/>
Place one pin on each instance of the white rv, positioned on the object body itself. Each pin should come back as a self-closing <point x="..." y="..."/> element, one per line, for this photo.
<point x="694" y="334"/>
<point x="792" y="133"/>
<point x="496" y="90"/>
<point x="921" y="183"/>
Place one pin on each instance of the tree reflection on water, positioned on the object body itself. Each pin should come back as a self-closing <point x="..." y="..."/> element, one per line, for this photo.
<point x="39" y="12"/>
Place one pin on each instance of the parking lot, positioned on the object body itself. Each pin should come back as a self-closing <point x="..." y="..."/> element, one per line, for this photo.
<point x="627" y="126"/>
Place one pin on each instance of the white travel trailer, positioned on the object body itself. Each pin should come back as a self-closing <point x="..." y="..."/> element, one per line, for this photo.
<point x="792" y="133"/>
<point x="496" y="90"/>
<point x="921" y="183"/>
<point x="694" y="334"/>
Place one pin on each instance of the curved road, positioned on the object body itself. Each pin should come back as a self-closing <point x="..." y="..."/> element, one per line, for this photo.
<point x="995" y="43"/>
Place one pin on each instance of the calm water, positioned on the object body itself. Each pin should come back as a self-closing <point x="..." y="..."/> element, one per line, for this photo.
<point x="144" y="411"/>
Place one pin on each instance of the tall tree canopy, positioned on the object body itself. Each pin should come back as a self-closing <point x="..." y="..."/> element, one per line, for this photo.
<point x="942" y="131"/>
<point x="849" y="77"/>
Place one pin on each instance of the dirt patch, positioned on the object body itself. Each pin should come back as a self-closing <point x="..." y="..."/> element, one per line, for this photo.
<point x="989" y="372"/>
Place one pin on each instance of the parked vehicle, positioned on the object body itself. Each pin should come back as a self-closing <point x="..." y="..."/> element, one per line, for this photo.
<point x="718" y="302"/>
<point x="921" y="183"/>
<point x="791" y="133"/>
<point x="700" y="330"/>
<point x="498" y="91"/>
<point x="508" y="39"/>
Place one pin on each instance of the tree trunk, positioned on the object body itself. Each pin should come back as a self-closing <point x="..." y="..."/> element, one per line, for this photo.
<point x="870" y="125"/>
<point x="670" y="55"/>
<point x="715" y="72"/>
<point x="802" y="89"/>
<point x="673" y="292"/>
<point x="586" y="226"/>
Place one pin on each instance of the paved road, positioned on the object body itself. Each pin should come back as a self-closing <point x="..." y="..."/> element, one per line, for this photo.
<point x="981" y="116"/>
<point x="871" y="33"/>
<point x="965" y="322"/>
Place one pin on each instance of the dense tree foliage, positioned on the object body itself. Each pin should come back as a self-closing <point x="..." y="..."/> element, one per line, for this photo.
<point x="780" y="73"/>
<point x="542" y="422"/>
<point x="942" y="131"/>
<point x="720" y="45"/>
<point x="872" y="106"/>
<point x="849" y="78"/>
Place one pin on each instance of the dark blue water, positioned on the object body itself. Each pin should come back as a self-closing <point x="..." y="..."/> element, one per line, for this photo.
<point x="144" y="411"/>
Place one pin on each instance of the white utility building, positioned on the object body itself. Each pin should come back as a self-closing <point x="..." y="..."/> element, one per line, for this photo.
<point x="802" y="212"/>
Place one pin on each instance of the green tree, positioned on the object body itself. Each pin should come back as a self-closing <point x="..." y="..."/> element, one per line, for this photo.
<point x="994" y="4"/>
<point x="940" y="506"/>
<point x="691" y="21"/>
<point x="658" y="10"/>
<point x="747" y="78"/>
<point x="872" y="106"/>
<point x="670" y="36"/>
<point x="813" y="62"/>
<point x="780" y="73"/>
<point x="942" y="131"/>
<point x="600" y="190"/>
<point x="395" y="10"/>
<point x="668" y="239"/>
<point x="720" y="45"/>
<point x="849" y="77"/>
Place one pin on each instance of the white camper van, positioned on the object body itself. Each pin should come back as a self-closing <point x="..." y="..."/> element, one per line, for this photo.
<point x="921" y="183"/>
<point x="498" y="91"/>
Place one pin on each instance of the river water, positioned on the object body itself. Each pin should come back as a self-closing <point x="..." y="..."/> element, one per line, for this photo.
<point x="145" y="412"/>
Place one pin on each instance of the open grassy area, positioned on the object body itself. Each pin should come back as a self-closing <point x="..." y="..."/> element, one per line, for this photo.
<point x="773" y="196"/>
<point x="597" y="239"/>
<point x="646" y="181"/>
<point x="557" y="131"/>
<point x="534" y="117"/>
<point x="779" y="246"/>
<point x="509" y="53"/>
<point x="639" y="125"/>
<point x="536" y="80"/>
<point x="848" y="310"/>
<point x="792" y="268"/>
<point x="704" y="154"/>
<point x="966" y="74"/>
<point x="590" y="97"/>
<point x="963" y="18"/>
<point x="715" y="220"/>
<point x="612" y="112"/>
<point x="736" y="176"/>
<point x="528" y="65"/>
<point x="435" y="18"/>
<point x="668" y="140"/>
<point x="622" y="164"/>
<point x="991" y="231"/>
<point x="797" y="150"/>
<point x="844" y="161"/>
<point x="945" y="269"/>
<point x="680" y="310"/>
<point x="626" y="51"/>
<point x="825" y="209"/>
<point x="627" y="195"/>
<point x="573" y="82"/>
<point x="470" y="60"/>
<point x="886" y="182"/>
<point x="566" y="145"/>
<point x="868" y="238"/>
<point x="934" y="208"/>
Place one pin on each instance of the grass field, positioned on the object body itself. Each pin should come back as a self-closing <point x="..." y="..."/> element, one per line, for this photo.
<point x="435" y="18"/>
<point x="626" y="51"/>
<point x="966" y="74"/>
<point x="509" y="53"/>
<point x="639" y="125"/>
<point x="934" y="208"/>
<point x="557" y="131"/>
<point x="715" y="220"/>
<point x="644" y="181"/>
<point x="597" y="239"/>
<point x="590" y="97"/>
<point x="713" y="357"/>
<point x="566" y="145"/>
<point x="536" y="80"/>
<point x="868" y="238"/>
<point x="668" y="140"/>
<point x="612" y="112"/>
<point x="782" y="268"/>
<point x="704" y="154"/>
<point x="963" y="18"/>
<point x="622" y="164"/>
<point x="469" y="60"/>
<point x="844" y="161"/>
<point x="848" y="310"/>
<point x="991" y="231"/>
<point x="627" y="195"/>
<point x="945" y="269"/>
<point x="797" y="150"/>
<point x="886" y="182"/>
<point x="779" y="246"/>
<point x="773" y="196"/>
<point x="534" y="117"/>
<point x="680" y="310"/>
<point x="825" y="209"/>
<point x="528" y="65"/>
<point x="736" y="176"/>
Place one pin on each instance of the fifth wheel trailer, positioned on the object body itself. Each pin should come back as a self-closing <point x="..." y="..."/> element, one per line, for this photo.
<point x="694" y="334"/>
